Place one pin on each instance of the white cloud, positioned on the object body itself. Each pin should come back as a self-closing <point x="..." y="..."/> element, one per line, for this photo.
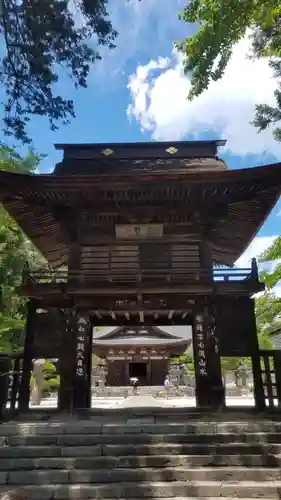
<point x="255" y="249"/>
<point x="227" y="107"/>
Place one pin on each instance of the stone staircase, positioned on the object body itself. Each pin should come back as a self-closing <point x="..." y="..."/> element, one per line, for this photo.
<point x="84" y="459"/>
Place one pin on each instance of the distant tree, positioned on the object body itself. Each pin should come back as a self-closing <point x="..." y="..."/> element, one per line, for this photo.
<point x="273" y="255"/>
<point x="186" y="360"/>
<point x="40" y="38"/>
<point x="15" y="251"/>
<point x="220" y="25"/>
<point x="268" y="316"/>
<point x="268" y="306"/>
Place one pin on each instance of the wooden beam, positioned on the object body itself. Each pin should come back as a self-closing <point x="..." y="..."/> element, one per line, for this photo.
<point x="61" y="295"/>
<point x="125" y="302"/>
<point x="131" y="304"/>
<point x="148" y="320"/>
<point x="157" y="289"/>
<point x="93" y="238"/>
<point x="143" y="150"/>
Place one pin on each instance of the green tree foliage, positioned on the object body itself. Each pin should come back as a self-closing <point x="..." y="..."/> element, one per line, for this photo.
<point x="273" y="255"/>
<point x="268" y="306"/>
<point x="221" y="24"/>
<point x="51" y="378"/>
<point x="268" y="316"/>
<point x="231" y="364"/>
<point x="186" y="360"/>
<point x="39" y="38"/>
<point x="15" y="251"/>
<point x="49" y="383"/>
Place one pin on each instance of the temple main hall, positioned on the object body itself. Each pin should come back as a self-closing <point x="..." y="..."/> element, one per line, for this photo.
<point x="143" y="352"/>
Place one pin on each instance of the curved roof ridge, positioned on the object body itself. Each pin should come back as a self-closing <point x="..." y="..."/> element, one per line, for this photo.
<point x="108" y="333"/>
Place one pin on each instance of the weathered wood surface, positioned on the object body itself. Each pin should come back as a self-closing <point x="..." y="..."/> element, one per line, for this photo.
<point x="237" y="201"/>
<point x="235" y="326"/>
<point x="48" y="327"/>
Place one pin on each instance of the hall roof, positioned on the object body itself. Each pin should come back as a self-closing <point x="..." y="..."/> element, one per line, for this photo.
<point x="144" y="335"/>
<point x="174" y="182"/>
<point x="101" y="159"/>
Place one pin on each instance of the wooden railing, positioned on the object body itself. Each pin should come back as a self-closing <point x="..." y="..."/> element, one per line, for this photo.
<point x="232" y="274"/>
<point x="10" y="379"/>
<point x="46" y="276"/>
<point x="271" y="376"/>
<point x="186" y="275"/>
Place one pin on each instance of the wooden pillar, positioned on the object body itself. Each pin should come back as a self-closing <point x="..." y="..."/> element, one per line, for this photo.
<point x="67" y="362"/>
<point x="82" y="376"/>
<point x="89" y="359"/>
<point x="256" y="362"/>
<point x="15" y="383"/>
<point x="69" y="335"/>
<point x="209" y="385"/>
<point x="127" y="372"/>
<point x="254" y="270"/>
<point x="277" y="369"/>
<point x="148" y="372"/>
<point x="24" y="390"/>
<point x="217" y="390"/>
<point x="74" y="261"/>
<point x="206" y="258"/>
<point x="5" y="369"/>
<point x="258" y="385"/>
<point x="211" y="391"/>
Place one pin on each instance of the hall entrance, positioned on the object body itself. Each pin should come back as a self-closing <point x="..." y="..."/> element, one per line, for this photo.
<point x="139" y="370"/>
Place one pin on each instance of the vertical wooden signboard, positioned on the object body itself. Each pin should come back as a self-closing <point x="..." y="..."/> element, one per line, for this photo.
<point x="199" y="346"/>
<point x="209" y="388"/>
<point x="216" y="387"/>
<point x="81" y="369"/>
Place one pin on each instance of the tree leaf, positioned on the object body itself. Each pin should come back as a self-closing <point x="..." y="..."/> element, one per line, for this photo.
<point x="40" y="39"/>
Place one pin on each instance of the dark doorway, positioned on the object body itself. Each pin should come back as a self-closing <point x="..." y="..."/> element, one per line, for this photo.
<point x="138" y="370"/>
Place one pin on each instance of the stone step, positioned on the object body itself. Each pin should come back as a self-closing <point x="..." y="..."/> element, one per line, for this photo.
<point x="159" y="415"/>
<point x="106" y="476"/>
<point x="184" y="449"/>
<point x="138" y="439"/>
<point x="189" y="498"/>
<point x="89" y="427"/>
<point x="134" y="490"/>
<point x="137" y="450"/>
<point x="160" y="461"/>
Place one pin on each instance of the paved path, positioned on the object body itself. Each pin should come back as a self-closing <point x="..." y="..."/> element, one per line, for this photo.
<point x="143" y="401"/>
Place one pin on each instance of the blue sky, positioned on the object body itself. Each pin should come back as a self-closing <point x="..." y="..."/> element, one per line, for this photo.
<point x="137" y="92"/>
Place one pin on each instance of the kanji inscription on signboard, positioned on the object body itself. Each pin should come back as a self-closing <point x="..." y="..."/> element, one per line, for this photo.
<point x="200" y="342"/>
<point x="80" y="348"/>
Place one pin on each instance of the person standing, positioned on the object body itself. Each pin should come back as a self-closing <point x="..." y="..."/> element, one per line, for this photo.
<point x="167" y="385"/>
<point x="135" y="383"/>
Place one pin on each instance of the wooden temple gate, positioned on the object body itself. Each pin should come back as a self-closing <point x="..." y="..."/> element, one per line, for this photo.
<point x="134" y="234"/>
<point x="222" y="327"/>
<point x="211" y="341"/>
